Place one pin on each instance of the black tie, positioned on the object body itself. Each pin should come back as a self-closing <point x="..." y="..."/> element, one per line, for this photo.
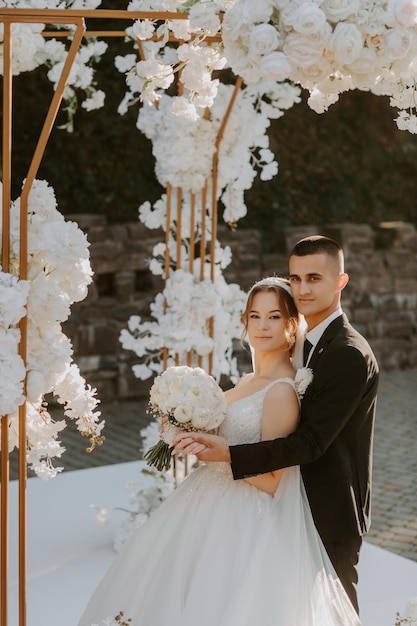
<point x="306" y="350"/>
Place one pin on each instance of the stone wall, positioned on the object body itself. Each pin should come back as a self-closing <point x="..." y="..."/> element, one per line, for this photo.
<point x="380" y="298"/>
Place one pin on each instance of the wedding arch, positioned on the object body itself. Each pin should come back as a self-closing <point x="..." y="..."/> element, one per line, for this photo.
<point x="210" y="75"/>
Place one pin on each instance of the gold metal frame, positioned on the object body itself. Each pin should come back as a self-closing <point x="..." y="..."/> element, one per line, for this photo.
<point x="78" y="19"/>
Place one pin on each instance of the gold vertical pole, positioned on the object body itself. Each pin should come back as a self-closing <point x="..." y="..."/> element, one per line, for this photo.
<point x="179" y="226"/>
<point x="5" y="262"/>
<point x="191" y="254"/>
<point x="178" y="242"/>
<point x="167" y="256"/>
<point x="23" y="269"/>
<point x="202" y="243"/>
<point x="203" y="230"/>
<point x="214" y="195"/>
<point x="49" y="121"/>
<point x="192" y="233"/>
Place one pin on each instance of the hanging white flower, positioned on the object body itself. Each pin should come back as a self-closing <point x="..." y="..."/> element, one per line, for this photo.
<point x="182" y="314"/>
<point x="31" y="50"/>
<point x="58" y="275"/>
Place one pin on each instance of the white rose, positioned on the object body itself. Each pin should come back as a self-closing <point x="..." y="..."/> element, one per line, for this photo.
<point x="363" y="69"/>
<point x="308" y="77"/>
<point x="308" y="19"/>
<point x="256" y="12"/>
<point x="233" y="22"/>
<point x="303" y="51"/>
<point x="402" y="13"/>
<point x="183" y="413"/>
<point x="201" y="418"/>
<point x="194" y="395"/>
<point x="337" y="10"/>
<point x="334" y="84"/>
<point x="263" y="38"/>
<point x="238" y="18"/>
<point x="197" y="372"/>
<point x="217" y="419"/>
<point x="347" y="43"/>
<point x="275" y="66"/>
<point x="398" y="43"/>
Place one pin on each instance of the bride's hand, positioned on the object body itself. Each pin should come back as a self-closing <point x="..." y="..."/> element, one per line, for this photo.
<point x="207" y="448"/>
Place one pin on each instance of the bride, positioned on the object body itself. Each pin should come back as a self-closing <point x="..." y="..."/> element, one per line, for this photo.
<point x="220" y="552"/>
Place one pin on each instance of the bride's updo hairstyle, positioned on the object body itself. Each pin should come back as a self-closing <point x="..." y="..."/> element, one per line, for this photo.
<point x="281" y="287"/>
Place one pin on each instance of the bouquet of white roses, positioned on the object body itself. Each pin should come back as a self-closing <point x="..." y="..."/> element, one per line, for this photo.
<point x="183" y="398"/>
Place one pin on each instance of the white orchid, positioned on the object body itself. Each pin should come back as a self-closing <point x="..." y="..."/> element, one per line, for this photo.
<point x="31" y="50"/>
<point x="58" y="275"/>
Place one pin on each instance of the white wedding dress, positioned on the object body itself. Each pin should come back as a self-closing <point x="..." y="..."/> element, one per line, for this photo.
<point x="219" y="552"/>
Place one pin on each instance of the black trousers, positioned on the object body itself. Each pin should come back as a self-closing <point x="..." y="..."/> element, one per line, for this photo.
<point x="344" y="556"/>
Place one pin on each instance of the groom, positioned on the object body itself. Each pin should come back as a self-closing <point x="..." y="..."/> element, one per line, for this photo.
<point x="333" y="442"/>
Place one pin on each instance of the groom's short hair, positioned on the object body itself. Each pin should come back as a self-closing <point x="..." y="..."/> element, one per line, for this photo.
<point x="319" y="244"/>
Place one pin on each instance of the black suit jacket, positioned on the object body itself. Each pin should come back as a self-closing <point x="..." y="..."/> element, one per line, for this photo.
<point x="333" y="442"/>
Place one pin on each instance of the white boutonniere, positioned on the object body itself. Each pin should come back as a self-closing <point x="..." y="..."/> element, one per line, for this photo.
<point x="303" y="378"/>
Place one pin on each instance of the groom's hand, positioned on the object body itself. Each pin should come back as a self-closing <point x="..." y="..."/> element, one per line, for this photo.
<point x="206" y="448"/>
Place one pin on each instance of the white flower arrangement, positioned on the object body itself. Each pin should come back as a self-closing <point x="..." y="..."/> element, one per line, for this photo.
<point x="13" y="299"/>
<point x="183" y="398"/>
<point x="279" y="47"/>
<point x="182" y="314"/>
<point x="177" y="126"/>
<point x="58" y="275"/>
<point x="326" y="47"/>
<point x="31" y="50"/>
<point x="145" y="497"/>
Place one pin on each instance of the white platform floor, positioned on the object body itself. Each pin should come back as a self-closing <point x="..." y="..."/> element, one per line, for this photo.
<point x="68" y="552"/>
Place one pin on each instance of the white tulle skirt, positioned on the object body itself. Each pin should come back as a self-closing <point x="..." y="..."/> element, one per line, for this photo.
<point x="219" y="552"/>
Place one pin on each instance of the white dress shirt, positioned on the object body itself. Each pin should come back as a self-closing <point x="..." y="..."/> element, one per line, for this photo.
<point x="314" y="335"/>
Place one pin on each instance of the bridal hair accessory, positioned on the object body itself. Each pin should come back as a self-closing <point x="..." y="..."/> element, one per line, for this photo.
<point x="275" y="281"/>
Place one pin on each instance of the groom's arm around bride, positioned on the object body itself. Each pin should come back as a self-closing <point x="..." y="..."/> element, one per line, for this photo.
<point x="333" y="442"/>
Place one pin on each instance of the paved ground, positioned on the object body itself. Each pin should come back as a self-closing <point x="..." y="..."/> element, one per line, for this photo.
<point x="394" y="520"/>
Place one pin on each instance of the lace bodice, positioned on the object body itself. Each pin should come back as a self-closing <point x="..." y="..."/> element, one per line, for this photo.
<point x="244" y="416"/>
